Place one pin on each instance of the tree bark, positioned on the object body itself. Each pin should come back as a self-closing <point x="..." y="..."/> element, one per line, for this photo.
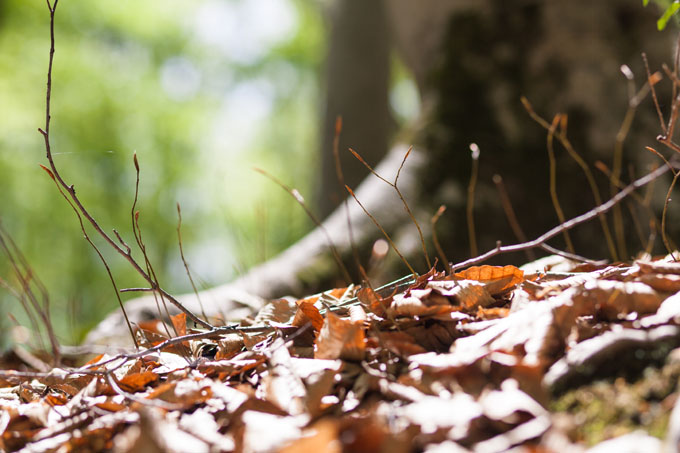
<point x="357" y="77"/>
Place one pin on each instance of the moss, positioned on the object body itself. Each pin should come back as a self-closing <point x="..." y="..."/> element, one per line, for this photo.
<point x="611" y="407"/>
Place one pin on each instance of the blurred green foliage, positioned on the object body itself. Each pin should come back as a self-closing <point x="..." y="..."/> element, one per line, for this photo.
<point x="201" y="91"/>
<point x="670" y="10"/>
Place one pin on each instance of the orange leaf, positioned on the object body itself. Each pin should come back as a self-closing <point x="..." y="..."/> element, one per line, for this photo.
<point x="373" y="302"/>
<point x="136" y="382"/>
<point x="340" y="339"/>
<point x="180" y="323"/>
<point x="307" y="312"/>
<point x="496" y="278"/>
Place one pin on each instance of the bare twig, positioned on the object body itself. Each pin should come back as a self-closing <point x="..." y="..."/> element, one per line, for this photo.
<point x="565" y="225"/>
<point x="510" y="214"/>
<point x="653" y="82"/>
<point x="382" y="230"/>
<point x="70" y="190"/>
<point x="561" y="135"/>
<point x="341" y="180"/>
<point x="401" y="197"/>
<point x="435" y="239"/>
<point x="99" y="254"/>
<point x="553" y="181"/>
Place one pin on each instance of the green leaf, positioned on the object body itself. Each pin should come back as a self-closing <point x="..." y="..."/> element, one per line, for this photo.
<point x="670" y="11"/>
<point x="645" y="2"/>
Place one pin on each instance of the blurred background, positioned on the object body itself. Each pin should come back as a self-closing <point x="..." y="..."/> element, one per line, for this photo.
<point x="202" y="91"/>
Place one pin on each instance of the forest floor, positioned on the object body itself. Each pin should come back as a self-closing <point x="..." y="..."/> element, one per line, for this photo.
<point x="553" y="356"/>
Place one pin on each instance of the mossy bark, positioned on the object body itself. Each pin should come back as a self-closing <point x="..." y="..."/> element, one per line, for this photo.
<point x="565" y="57"/>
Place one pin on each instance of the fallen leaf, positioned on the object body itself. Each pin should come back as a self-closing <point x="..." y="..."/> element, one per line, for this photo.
<point x="496" y="278"/>
<point x="340" y="339"/>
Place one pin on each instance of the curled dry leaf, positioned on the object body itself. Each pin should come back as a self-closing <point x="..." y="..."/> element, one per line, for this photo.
<point x="308" y="313"/>
<point x="469" y="294"/>
<point x="417" y="302"/>
<point x="613" y="300"/>
<point x="662" y="282"/>
<point x="373" y="302"/>
<point x="661" y="267"/>
<point x="497" y="279"/>
<point x="278" y="311"/>
<point x="340" y="339"/>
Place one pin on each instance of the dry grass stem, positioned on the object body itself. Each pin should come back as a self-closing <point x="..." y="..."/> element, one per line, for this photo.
<point x="435" y="239"/>
<point x="341" y="180"/>
<point x="510" y="214"/>
<point x="301" y="201"/>
<point x="553" y="181"/>
<point x="382" y="230"/>
<point x="184" y="261"/>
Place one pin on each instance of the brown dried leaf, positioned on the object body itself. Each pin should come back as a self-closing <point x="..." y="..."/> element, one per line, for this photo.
<point x="340" y="339"/>
<point x="661" y="267"/>
<point x="613" y="300"/>
<point x="373" y="302"/>
<point x="137" y="381"/>
<point x="400" y="343"/>
<point x="496" y="278"/>
<point x="179" y="321"/>
<point x="662" y="282"/>
<point x="279" y="310"/>
<point x="322" y="436"/>
<point x="415" y="306"/>
<point x="307" y="312"/>
<point x="468" y="293"/>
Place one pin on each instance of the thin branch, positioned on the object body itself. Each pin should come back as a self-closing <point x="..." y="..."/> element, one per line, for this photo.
<point x="401" y="197"/>
<point x="553" y="181"/>
<point x="510" y="214"/>
<point x="653" y="82"/>
<point x="71" y="190"/>
<point x="387" y="236"/>
<point x="561" y="135"/>
<point x="559" y="229"/>
<point x="435" y="239"/>
<point x="99" y="254"/>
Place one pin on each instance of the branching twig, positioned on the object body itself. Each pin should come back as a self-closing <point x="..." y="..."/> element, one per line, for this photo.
<point x="99" y="254"/>
<point x="70" y="190"/>
<point x="566" y="225"/>
<point x="382" y="230"/>
<point x="401" y="197"/>
<point x="561" y="135"/>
